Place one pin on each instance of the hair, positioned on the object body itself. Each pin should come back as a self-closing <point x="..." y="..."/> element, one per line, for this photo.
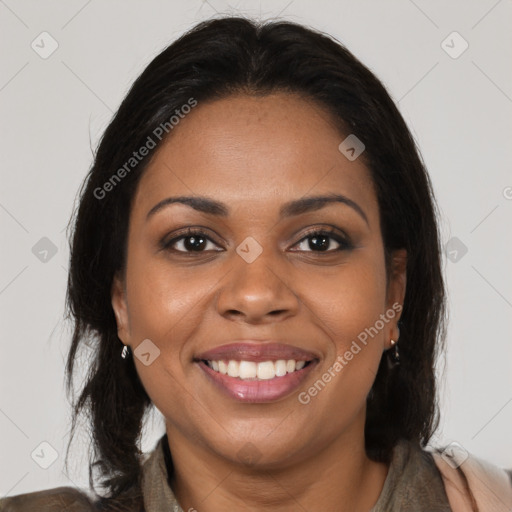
<point x="215" y="59"/>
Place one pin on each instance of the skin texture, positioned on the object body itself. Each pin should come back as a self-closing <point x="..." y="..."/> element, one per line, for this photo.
<point x="254" y="154"/>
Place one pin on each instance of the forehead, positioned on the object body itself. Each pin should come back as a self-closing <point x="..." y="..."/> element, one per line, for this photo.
<point x="254" y="150"/>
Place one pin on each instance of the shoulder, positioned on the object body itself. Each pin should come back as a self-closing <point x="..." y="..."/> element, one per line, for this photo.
<point x="50" y="500"/>
<point x="413" y="481"/>
<point x="470" y="480"/>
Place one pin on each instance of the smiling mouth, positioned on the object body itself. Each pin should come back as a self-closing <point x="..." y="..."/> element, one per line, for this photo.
<point x="257" y="382"/>
<point x="254" y="371"/>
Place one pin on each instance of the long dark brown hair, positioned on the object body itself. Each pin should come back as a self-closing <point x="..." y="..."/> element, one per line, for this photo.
<point x="215" y="59"/>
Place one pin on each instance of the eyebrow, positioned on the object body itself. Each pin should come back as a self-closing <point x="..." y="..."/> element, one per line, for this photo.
<point x="296" y="207"/>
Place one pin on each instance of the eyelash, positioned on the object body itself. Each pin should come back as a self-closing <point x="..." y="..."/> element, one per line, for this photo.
<point x="344" y="243"/>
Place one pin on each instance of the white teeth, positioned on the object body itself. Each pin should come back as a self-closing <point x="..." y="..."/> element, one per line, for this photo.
<point x="264" y="370"/>
<point x="280" y="368"/>
<point x="223" y="368"/>
<point x="248" y="369"/>
<point x="233" y="369"/>
<point x="299" y="365"/>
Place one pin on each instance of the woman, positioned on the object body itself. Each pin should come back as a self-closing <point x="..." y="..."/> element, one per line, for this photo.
<point x="256" y="254"/>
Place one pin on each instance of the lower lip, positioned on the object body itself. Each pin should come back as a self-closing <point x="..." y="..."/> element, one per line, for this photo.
<point x="257" y="391"/>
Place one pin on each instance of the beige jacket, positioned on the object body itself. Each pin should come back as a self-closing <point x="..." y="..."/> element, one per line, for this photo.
<point x="490" y="486"/>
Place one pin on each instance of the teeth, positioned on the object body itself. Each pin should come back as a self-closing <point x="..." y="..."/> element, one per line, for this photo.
<point x="248" y="369"/>
<point x="280" y="368"/>
<point x="223" y="367"/>
<point x="233" y="369"/>
<point x="264" y="370"/>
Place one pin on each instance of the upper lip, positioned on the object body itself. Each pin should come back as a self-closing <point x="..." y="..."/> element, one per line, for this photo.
<point x="256" y="351"/>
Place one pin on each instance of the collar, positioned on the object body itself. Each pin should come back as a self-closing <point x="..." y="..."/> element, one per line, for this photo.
<point x="156" y="490"/>
<point x="412" y="478"/>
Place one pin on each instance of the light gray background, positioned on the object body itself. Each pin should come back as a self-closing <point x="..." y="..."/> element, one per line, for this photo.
<point x="53" y="111"/>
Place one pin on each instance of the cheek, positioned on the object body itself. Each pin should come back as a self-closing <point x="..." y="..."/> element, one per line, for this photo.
<point x="348" y="306"/>
<point x="162" y="300"/>
<point x="350" y="298"/>
<point x="164" y="307"/>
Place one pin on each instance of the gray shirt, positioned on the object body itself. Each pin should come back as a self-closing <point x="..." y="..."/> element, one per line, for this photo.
<point x="413" y="484"/>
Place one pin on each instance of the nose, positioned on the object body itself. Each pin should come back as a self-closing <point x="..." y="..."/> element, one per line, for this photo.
<point x="256" y="292"/>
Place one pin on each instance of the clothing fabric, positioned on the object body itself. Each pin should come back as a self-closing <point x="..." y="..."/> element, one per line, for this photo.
<point x="413" y="483"/>
<point x="417" y="481"/>
<point x="490" y="487"/>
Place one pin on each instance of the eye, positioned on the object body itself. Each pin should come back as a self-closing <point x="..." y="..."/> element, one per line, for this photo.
<point x="193" y="240"/>
<point x="321" y="241"/>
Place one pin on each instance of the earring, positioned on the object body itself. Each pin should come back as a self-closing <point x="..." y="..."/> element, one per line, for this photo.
<point x="394" y="353"/>
<point x="125" y="352"/>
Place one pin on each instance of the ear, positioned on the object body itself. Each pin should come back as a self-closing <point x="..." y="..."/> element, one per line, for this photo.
<point x="120" y="307"/>
<point x="397" y="281"/>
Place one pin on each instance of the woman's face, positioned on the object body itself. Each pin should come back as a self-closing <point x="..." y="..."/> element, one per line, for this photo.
<point x="253" y="283"/>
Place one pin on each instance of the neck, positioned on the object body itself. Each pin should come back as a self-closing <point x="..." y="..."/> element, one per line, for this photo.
<point x="340" y="477"/>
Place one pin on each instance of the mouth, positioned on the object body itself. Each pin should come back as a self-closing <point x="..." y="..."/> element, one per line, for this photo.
<point x="257" y="373"/>
<point x="251" y="370"/>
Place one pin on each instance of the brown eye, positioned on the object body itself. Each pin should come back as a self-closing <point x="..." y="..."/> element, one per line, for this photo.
<point x="189" y="242"/>
<point x="323" y="241"/>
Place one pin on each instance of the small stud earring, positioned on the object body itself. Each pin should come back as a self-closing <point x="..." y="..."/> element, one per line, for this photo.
<point x="125" y="351"/>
